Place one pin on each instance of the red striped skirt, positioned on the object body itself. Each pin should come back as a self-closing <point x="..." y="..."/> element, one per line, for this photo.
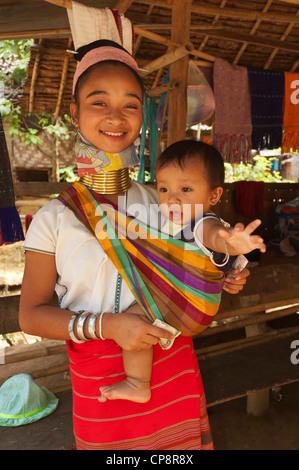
<point x="175" y="418"/>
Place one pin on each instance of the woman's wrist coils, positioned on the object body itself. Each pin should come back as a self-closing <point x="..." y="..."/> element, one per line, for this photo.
<point x="76" y="329"/>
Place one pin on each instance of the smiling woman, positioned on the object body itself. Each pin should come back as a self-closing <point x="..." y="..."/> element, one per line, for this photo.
<point x="98" y="314"/>
<point x="110" y="110"/>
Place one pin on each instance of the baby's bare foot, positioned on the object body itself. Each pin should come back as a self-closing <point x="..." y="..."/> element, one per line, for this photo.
<point x="129" y="389"/>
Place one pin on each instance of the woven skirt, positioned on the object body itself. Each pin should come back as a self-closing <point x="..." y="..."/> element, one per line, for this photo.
<point x="175" y="418"/>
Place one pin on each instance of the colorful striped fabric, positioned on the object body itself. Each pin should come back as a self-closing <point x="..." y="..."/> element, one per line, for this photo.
<point x="171" y="279"/>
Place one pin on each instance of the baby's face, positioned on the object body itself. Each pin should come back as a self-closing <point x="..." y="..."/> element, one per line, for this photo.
<point x="184" y="193"/>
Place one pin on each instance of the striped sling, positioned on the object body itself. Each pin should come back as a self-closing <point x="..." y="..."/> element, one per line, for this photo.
<point x="170" y="279"/>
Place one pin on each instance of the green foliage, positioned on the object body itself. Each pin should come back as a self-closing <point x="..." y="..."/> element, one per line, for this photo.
<point x="134" y="175"/>
<point x="67" y="174"/>
<point x="260" y="170"/>
<point x="14" y="56"/>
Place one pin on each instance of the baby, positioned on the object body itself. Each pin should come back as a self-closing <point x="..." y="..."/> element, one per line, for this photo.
<point x="190" y="177"/>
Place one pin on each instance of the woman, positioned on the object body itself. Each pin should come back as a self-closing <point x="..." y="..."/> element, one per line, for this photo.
<point x="62" y="255"/>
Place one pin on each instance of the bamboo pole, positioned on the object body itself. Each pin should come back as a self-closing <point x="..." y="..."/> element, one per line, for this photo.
<point x="63" y="81"/>
<point x="34" y="77"/>
<point x="177" y="108"/>
<point x="162" y="124"/>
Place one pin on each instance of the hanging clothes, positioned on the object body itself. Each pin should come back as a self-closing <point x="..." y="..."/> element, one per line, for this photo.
<point x="267" y="92"/>
<point x="10" y="224"/>
<point x="232" y="128"/>
<point x="290" y="141"/>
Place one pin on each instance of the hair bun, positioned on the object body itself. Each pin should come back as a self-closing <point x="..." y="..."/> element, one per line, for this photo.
<point x="81" y="51"/>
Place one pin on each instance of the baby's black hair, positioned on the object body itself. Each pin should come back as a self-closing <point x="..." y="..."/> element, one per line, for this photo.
<point x="179" y="152"/>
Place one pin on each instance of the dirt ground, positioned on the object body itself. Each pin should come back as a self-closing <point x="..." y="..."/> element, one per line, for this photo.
<point x="234" y="429"/>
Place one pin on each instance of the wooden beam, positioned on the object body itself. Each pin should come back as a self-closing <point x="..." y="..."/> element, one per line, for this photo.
<point x="252" y="31"/>
<point x="177" y="107"/>
<point x="170" y="43"/>
<point x="157" y="91"/>
<point x="282" y="38"/>
<point x="36" y="33"/>
<point x="168" y="58"/>
<point x="231" y="12"/>
<point x="294" y="2"/>
<point x="214" y="22"/>
<point x="61" y="3"/>
<point x="261" y="41"/>
<point x="121" y="6"/>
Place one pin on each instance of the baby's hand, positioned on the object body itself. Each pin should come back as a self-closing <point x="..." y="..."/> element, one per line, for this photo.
<point x="239" y="239"/>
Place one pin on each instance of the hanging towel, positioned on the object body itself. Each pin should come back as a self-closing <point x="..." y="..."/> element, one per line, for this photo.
<point x="10" y="224"/>
<point x="89" y="24"/>
<point x="232" y="127"/>
<point x="290" y="140"/>
<point x="249" y="198"/>
<point x="267" y="92"/>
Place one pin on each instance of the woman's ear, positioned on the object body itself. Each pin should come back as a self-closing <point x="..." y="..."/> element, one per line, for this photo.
<point x="74" y="114"/>
<point x="216" y="194"/>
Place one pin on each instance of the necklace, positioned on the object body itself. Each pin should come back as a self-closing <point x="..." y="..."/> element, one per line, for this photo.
<point x="108" y="182"/>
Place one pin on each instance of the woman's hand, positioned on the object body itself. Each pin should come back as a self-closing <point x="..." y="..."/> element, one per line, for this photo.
<point x="233" y="285"/>
<point x="132" y="331"/>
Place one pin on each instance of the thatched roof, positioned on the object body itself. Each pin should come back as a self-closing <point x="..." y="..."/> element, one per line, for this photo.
<point x="49" y="80"/>
<point x="254" y="33"/>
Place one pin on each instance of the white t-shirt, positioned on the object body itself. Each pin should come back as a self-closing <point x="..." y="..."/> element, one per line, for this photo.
<point x="194" y="238"/>
<point x="86" y="276"/>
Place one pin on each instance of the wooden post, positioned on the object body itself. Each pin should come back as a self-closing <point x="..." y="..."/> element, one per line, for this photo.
<point x="177" y="107"/>
<point x="257" y="400"/>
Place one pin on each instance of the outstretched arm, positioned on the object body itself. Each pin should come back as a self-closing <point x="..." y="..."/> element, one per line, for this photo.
<point x="231" y="240"/>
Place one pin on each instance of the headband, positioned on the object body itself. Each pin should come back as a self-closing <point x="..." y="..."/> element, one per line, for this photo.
<point x="100" y="54"/>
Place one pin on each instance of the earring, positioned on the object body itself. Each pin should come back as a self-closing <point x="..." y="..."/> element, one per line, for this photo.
<point x="75" y="123"/>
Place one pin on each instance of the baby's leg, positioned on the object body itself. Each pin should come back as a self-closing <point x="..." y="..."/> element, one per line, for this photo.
<point x="136" y="387"/>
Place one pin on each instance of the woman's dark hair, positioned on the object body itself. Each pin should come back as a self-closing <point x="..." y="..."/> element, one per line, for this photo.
<point x="183" y="150"/>
<point x="81" y="51"/>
